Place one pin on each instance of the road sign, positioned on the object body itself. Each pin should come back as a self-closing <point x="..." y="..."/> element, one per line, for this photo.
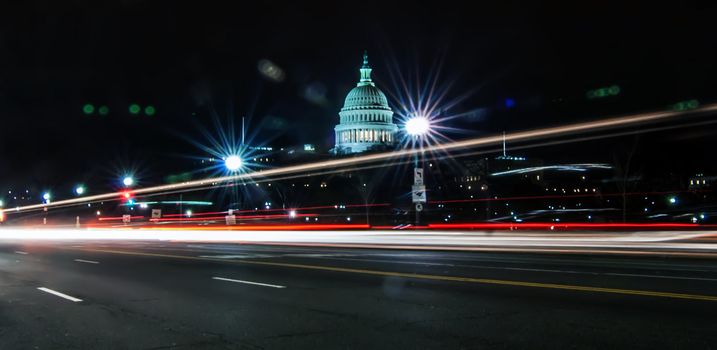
<point x="418" y="176"/>
<point x="231" y="219"/>
<point x="419" y="207"/>
<point x="156" y="213"/>
<point x="126" y="219"/>
<point x="419" y="194"/>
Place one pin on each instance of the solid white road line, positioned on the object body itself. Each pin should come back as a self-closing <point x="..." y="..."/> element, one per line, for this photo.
<point x="61" y="295"/>
<point x="87" y="261"/>
<point x="247" y="282"/>
<point x="20" y="252"/>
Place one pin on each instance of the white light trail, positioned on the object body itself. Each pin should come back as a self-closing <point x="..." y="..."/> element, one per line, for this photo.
<point x="564" y="167"/>
<point x="436" y="236"/>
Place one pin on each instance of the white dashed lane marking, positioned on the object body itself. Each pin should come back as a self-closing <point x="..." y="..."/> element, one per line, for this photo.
<point x="61" y="295"/>
<point x="247" y="282"/>
<point x="87" y="261"/>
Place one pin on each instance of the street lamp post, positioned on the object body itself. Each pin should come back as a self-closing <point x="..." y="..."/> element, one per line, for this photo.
<point x="417" y="127"/>
<point x="234" y="163"/>
<point x="46" y="199"/>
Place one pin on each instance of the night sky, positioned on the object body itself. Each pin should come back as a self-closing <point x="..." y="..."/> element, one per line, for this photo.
<point x="197" y="62"/>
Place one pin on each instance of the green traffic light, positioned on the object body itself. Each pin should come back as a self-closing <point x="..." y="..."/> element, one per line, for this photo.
<point x="104" y="110"/>
<point x="134" y="108"/>
<point x="88" y="109"/>
<point x="603" y="92"/>
<point x="150" y="110"/>
<point x="686" y="105"/>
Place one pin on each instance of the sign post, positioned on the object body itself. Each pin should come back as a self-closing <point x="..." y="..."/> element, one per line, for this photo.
<point x="418" y="192"/>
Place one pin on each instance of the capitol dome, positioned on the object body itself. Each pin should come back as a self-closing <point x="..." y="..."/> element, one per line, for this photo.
<point x="365" y="97"/>
<point x="366" y="120"/>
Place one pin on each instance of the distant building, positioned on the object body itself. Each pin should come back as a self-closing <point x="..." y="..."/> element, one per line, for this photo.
<point x="701" y="182"/>
<point x="366" y="120"/>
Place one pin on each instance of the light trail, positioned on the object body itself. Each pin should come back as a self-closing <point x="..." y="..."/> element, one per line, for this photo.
<point x="653" y="242"/>
<point x="238" y="217"/>
<point x="562" y="226"/>
<point x="559" y="196"/>
<point x="599" y="125"/>
<point x="344" y="206"/>
<point x="117" y="218"/>
<point x="563" y="167"/>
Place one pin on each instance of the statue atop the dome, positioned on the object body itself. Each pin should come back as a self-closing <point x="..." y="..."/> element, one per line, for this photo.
<point x="365" y="71"/>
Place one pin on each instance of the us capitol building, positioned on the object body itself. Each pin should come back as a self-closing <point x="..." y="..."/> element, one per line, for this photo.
<point x="366" y="120"/>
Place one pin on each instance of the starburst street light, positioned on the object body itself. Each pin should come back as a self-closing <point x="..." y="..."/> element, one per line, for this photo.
<point x="80" y="190"/>
<point x="233" y="162"/>
<point x="128" y="181"/>
<point x="417" y="126"/>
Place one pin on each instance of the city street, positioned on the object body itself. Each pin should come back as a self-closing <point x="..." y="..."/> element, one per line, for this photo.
<point x="269" y="175"/>
<point x="159" y="294"/>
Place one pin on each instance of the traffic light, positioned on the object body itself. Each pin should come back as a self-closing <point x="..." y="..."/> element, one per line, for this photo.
<point x="685" y="105"/>
<point x="134" y="108"/>
<point x="613" y="90"/>
<point x="88" y="108"/>
<point x="149" y="110"/>
<point x="127" y="198"/>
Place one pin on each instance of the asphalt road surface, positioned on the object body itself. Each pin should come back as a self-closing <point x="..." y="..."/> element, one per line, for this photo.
<point x="164" y="295"/>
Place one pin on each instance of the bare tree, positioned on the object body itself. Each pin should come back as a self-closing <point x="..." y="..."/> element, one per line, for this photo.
<point x="623" y="165"/>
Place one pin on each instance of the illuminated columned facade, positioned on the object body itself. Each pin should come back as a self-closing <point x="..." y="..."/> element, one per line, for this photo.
<point x="366" y="120"/>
